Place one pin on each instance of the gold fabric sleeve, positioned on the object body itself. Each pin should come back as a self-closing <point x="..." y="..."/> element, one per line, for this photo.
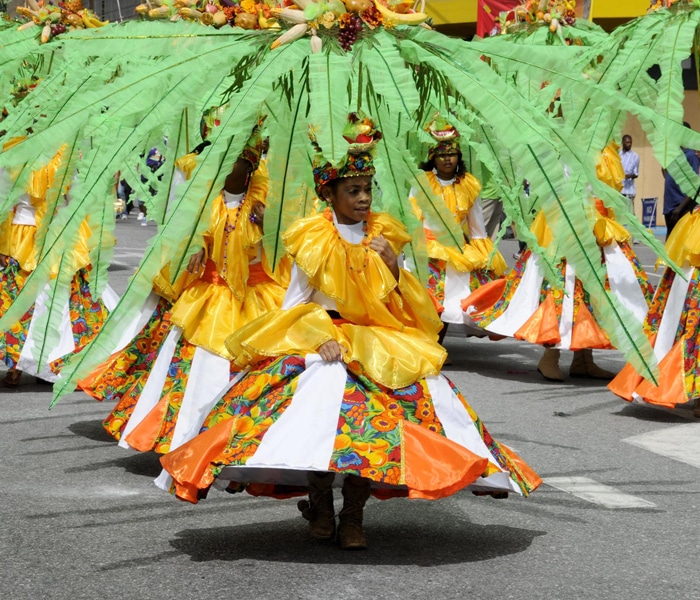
<point x="609" y="168"/>
<point x="484" y="247"/>
<point x="683" y="245"/>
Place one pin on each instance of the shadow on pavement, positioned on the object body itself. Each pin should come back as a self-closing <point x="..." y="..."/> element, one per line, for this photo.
<point x="92" y="430"/>
<point x="409" y="534"/>
<point x="142" y="463"/>
<point x="657" y="414"/>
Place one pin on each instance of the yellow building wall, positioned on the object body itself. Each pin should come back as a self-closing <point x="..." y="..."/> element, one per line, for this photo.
<point x="616" y="9"/>
<point x="446" y="12"/>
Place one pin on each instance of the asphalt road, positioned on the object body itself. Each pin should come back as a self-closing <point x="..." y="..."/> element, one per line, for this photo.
<point x="617" y="516"/>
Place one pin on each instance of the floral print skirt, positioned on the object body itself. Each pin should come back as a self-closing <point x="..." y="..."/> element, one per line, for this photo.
<point x="293" y="414"/>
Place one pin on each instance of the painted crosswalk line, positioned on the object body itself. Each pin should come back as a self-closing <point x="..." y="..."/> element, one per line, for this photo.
<point x="681" y="443"/>
<point x="597" y="493"/>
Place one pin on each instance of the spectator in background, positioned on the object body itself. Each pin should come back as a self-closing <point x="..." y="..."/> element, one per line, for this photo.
<point x="630" y="164"/>
<point x="676" y="203"/>
<point x="154" y="161"/>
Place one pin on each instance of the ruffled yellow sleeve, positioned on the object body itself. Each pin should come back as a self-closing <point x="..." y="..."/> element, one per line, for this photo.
<point x="607" y="230"/>
<point x="464" y="260"/>
<point x="299" y="330"/>
<point x="5" y="235"/>
<point x="467" y="191"/>
<point x="609" y="168"/>
<point x="81" y="252"/>
<point x="541" y="230"/>
<point x="485" y="248"/>
<point x="683" y="245"/>
<point x="187" y="164"/>
<point x="172" y="291"/>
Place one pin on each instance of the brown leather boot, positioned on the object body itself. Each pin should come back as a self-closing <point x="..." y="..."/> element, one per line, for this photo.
<point x="350" y="533"/>
<point x="583" y="366"/>
<point x="549" y="365"/>
<point x="318" y="509"/>
<point x="12" y="378"/>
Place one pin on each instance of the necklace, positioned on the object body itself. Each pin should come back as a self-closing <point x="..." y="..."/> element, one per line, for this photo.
<point x="365" y="245"/>
<point x="230" y="228"/>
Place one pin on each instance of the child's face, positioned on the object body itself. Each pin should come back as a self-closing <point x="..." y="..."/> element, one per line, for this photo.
<point x="446" y="165"/>
<point x="351" y="199"/>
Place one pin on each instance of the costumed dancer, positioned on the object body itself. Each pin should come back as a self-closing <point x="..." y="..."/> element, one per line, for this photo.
<point x="344" y="386"/>
<point x="525" y="305"/>
<point x="672" y="327"/>
<point x="167" y="392"/>
<point x="145" y="333"/>
<point x="453" y="273"/>
<point x="22" y="346"/>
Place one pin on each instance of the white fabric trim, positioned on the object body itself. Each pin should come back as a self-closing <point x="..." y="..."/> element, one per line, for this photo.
<point x="477" y="224"/>
<point x="671" y="316"/>
<point x="566" y="323"/>
<point x="456" y="289"/>
<point x="25" y="212"/>
<point x="304" y="436"/>
<point x="110" y="298"/>
<point x="208" y="375"/>
<point x="150" y="395"/>
<point x="299" y="291"/>
<point x="233" y="200"/>
<point x="623" y="282"/>
<point x="524" y="302"/>
<point x="459" y="427"/>
<point x="178" y="178"/>
<point x="66" y="344"/>
<point x="138" y="322"/>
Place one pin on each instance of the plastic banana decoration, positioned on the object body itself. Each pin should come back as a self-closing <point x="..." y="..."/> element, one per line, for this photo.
<point x="90" y="19"/>
<point x="55" y="20"/>
<point x="391" y="18"/>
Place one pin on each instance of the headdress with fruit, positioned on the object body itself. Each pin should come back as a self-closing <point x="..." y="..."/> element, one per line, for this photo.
<point x="246" y="14"/>
<point x="211" y="118"/>
<point x="344" y="20"/>
<point x="553" y="14"/>
<point x="361" y="135"/>
<point x="446" y="137"/>
<point x="255" y="146"/>
<point x="659" y="4"/>
<point x="55" y="19"/>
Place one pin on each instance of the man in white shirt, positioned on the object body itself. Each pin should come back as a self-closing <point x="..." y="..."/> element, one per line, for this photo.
<point x="630" y="164"/>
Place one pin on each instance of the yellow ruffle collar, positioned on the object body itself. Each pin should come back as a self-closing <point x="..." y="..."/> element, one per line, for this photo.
<point x="353" y="275"/>
<point x="460" y="196"/>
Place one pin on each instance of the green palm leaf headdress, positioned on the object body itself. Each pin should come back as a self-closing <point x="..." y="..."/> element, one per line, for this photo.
<point x="109" y="104"/>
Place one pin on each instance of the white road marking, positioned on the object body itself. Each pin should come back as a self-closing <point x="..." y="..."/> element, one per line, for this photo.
<point x="128" y="253"/>
<point x="597" y="493"/>
<point x="680" y="443"/>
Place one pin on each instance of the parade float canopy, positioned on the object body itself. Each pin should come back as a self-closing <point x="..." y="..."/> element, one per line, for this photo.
<point x="110" y="92"/>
